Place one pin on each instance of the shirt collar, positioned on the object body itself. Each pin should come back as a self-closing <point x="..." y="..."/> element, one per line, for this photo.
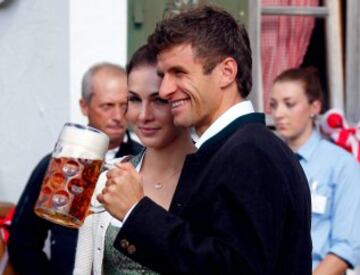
<point x="110" y="154"/>
<point x="306" y="150"/>
<point x="239" y="109"/>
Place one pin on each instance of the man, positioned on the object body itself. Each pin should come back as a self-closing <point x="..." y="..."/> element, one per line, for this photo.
<point x="104" y="102"/>
<point x="242" y="204"/>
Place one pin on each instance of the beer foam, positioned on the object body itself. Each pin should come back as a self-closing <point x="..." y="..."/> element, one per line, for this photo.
<point x="80" y="141"/>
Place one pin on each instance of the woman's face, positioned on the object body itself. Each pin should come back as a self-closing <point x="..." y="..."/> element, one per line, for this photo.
<point x="149" y="114"/>
<point x="292" y="112"/>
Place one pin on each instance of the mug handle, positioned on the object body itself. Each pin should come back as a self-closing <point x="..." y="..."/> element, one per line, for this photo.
<point x="97" y="209"/>
<point x="107" y="165"/>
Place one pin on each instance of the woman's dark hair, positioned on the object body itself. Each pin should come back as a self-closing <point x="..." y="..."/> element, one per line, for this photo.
<point x="309" y="77"/>
<point x="142" y="56"/>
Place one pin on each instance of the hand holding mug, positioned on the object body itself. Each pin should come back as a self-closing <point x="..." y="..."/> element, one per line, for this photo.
<point x="123" y="189"/>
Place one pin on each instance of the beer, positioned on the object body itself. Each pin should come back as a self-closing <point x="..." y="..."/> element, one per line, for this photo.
<point x="67" y="190"/>
<point x="73" y="171"/>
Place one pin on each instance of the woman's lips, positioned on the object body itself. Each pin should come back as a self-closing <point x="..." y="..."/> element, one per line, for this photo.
<point x="147" y="131"/>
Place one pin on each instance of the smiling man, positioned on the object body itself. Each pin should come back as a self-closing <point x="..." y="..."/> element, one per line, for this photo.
<point x="242" y="203"/>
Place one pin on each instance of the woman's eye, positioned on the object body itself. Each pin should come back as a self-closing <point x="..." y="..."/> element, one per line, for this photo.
<point x="290" y="104"/>
<point x="273" y="105"/>
<point x="160" y="100"/>
<point x="134" y="99"/>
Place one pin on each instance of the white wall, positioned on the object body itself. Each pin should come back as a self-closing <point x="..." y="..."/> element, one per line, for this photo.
<point x="45" y="47"/>
<point x="34" y="84"/>
<point x="98" y="32"/>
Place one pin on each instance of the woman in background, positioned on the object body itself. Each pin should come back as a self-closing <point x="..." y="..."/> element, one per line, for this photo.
<point x="333" y="175"/>
<point x="159" y="165"/>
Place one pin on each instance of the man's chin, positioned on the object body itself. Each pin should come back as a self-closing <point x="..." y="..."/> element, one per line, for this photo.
<point x="115" y="135"/>
<point x="116" y="140"/>
<point x="181" y="122"/>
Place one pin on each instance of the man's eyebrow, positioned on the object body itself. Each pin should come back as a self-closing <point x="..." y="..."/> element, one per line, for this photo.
<point x="172" y="69"/>
<point x="178" y="69"/>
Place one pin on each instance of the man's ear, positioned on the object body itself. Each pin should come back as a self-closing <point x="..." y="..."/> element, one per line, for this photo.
<point x="83" y="107"/>
<point x="228" y="69"/>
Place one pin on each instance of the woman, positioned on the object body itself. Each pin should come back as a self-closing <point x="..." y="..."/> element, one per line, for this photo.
<point x="333" y="175"/>
<point x="159" y="165"/>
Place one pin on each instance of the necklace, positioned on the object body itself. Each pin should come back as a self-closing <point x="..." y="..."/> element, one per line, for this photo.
<point x="160" y="184"/>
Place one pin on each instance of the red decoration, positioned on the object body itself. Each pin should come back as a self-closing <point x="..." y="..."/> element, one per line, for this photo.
<point x="5" y="224"/>
<point x="335" y="126"/>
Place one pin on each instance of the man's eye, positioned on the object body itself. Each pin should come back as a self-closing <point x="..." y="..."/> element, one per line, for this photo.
<point x="160" y="74"/>
<point x="123" y="106"/>
<point x="179" y="73"/>
<point x="106" y="107"/>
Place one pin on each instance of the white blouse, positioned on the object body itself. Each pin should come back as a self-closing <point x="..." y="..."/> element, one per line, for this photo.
<point x="91" y="240"/>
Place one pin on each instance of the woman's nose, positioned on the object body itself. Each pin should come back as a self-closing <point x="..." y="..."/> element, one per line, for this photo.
<point x="145" y="112"/>
<point x="278" y="112"/>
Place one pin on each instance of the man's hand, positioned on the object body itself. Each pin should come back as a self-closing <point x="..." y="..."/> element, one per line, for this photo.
<point x="122" y="190"/>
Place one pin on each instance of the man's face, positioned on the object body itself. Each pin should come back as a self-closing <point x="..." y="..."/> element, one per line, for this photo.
<point x="107" y="106"/>
<point x="195" y="98"/>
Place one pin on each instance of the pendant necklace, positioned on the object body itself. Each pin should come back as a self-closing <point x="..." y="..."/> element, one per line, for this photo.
<point x="159" y="185"/>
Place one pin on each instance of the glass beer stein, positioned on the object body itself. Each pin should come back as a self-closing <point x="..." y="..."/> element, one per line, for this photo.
<point x="72" y="174"/>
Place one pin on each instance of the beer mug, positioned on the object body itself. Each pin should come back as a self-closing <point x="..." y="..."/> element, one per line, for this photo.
<point x="71" y="177"/>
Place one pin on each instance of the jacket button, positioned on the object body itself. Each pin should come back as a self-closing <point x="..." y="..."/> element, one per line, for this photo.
<point x="131" y="249"/>
<point x="124" y="244"/>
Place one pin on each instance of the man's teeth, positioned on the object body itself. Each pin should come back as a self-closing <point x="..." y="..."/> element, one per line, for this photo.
<point x="177" y="103"/>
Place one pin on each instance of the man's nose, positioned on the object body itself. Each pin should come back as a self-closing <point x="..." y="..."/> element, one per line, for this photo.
<point x="167" y="87"/>
<point x="118" y="113"/>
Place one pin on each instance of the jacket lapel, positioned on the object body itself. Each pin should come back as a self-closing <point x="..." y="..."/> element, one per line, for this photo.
<point x="194" y="163"/>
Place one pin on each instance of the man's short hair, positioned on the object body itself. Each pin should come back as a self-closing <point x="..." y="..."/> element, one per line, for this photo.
<point x="87" y="84"/>
<point x="213" y="34"/>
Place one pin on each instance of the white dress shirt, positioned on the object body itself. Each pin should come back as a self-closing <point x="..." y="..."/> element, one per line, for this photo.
<point x="239" y="109"/>
<point x="91" y="240"/>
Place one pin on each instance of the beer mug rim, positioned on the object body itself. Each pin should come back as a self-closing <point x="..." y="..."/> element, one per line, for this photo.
<point x="74" y="136"/>
<point x="83" y="127"/>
